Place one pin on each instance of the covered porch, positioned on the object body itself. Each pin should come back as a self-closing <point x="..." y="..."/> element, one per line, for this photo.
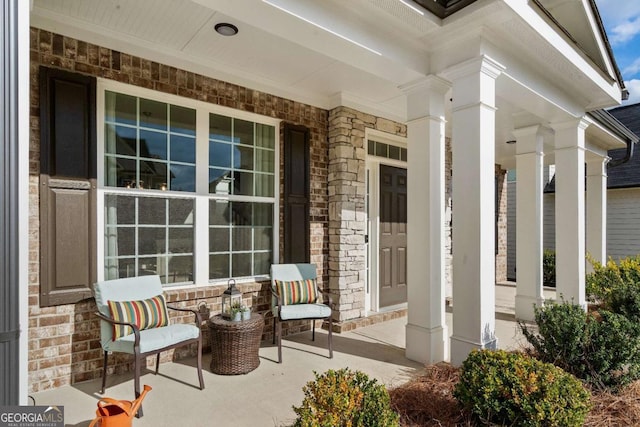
<point x="194" y="110"/>
<point x="272" y="388"/>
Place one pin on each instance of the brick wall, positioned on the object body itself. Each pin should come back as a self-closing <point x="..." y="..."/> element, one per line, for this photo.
<point x="63" y="340"/>
<point x="347" y="216"/>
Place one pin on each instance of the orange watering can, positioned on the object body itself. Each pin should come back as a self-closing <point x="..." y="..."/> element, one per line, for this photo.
<point x="117" y="413"/>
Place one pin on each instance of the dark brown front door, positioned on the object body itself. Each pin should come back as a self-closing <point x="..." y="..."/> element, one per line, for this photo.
<point x="393" y="236"/>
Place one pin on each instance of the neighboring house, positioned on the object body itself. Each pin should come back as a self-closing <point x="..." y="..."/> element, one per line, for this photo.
<point x="205" y="140"/>
<point x="623" y="199"/>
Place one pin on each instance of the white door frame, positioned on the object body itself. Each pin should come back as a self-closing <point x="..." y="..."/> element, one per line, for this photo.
<point x="372" y="297"/>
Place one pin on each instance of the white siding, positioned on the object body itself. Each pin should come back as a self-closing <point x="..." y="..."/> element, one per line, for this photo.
<point x="623" y="223"/>
<point x="549" y="222"/>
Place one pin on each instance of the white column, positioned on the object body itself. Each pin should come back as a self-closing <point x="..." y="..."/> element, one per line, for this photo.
<point x="473" y="146"/>
<point x="597" y="208"/>
<point x="426" y="332"/>
<point x="570" y="210"/>
<point x="529" y="214"/>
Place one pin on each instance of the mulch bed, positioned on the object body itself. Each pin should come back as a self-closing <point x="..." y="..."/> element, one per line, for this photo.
<point x="428" y="401"/>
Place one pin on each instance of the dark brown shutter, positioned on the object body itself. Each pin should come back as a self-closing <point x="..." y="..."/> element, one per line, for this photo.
<point x="67" y="186"/>
<point x="296" y="194"/>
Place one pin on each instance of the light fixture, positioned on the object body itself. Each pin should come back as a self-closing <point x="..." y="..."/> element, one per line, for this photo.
<point x="231" y="297"/>
<point x="321" y="27"/>
<point x="511" y="141"/>
<point x="226" y="29"/>
<point x="410" y="6"/>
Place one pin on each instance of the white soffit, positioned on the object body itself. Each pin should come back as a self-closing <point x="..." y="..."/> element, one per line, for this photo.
<point x="579" y="20"/>
<point x="180" y="33"/>
<point x="400" y="59"/>
<point x="559" y="57"/>
<point x="158" y="21"/>
<point x="255" y="50"/>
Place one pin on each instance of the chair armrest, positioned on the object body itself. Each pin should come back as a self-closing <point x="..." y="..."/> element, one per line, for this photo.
<point x="114" y="322"/>
<point x="277" y="297"/>
<point x="195" y="312"/>
<point x="136" y="329"/>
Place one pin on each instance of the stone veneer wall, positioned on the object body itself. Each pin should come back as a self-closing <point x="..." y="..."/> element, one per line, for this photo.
<point x="448" y="236"/>
<point x="501" y="227"/>
<point x="64" y="343"/>
<point x="347" y="216"/>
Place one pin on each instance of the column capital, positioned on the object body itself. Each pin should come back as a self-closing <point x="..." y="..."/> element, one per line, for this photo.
<point x="530" y="139"/>
<point x="426" y="98"/>
<point x="430" y="83"/>
<point x="570" y="134"/>
<point x="596" y="164"/>
<point x="531" y="130"/>
<point x="595" y="158"/>
<point x="580" y="123"/>
<point x="481" y="64"/>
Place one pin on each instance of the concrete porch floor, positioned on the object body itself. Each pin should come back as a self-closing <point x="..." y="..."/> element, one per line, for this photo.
<point x="265" y="396"/>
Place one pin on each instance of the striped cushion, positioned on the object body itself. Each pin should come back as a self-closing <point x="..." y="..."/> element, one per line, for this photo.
<point x="146" y="314"/>
<point x="297" y="291"/>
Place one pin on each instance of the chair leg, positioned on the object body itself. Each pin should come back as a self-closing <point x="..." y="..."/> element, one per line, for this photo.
<point x="104" y="372"/>
<point x="279" y="332"/>
<point x="274" y="330"/>
<point x="200" y="362"/>
<point x="313" y="330"/>
<point x="330" y="338"/>
<point x="157" y="362"/>
<point x="136" y="382"/>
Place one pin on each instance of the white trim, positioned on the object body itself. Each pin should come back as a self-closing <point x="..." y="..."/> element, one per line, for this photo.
<point x="385" y="137"/>
<point x="387" y="109"/>
<point x="201" y="196"/>
<point x="373" y="227"/>
<point x="372" y="166"/>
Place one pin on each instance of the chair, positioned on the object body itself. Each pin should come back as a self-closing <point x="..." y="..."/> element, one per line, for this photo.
<point x="134" y="320"/>
<point x="295" y="296"/>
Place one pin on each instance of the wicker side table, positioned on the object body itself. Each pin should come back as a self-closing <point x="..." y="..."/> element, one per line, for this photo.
<point x="235" y="345"/>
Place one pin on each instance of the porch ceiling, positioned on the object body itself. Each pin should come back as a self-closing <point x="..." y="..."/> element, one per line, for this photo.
<point x="281" y="54"/>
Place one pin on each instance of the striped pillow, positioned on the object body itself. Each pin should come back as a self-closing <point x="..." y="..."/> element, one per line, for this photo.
<point x="297" y="291"/>
<point x="146" y="314"/>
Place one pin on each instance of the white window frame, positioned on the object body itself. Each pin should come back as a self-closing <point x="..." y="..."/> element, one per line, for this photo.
<point x="201" y="196"/>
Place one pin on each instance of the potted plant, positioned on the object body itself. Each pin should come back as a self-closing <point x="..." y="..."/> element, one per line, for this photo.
<point x="246" y="312"/>
<point x="236" y="312"/>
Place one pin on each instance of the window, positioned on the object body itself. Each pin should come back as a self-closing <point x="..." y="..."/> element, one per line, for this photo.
<point x="149" y="235"/>
<point x="388" y="151"/>
<point x="240" y="238"/>
<point x="174" y="187"/>
<point x="149" y="144"/>
<point x="241" y="157"/>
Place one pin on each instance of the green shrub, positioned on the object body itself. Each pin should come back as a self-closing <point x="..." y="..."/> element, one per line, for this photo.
<point x="601" y="348"/>
<point x="345" y="398"/>
<point x="616" y="286"/>
<point x="549" y="267"/>
<point x="515" y="389"/>
<point x="562" y="332"/>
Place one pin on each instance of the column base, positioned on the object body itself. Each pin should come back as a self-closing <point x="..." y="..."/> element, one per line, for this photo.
<point x="524" y="307"/>
<point x="425" y="345"/>
<point x="461" y="347"/>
